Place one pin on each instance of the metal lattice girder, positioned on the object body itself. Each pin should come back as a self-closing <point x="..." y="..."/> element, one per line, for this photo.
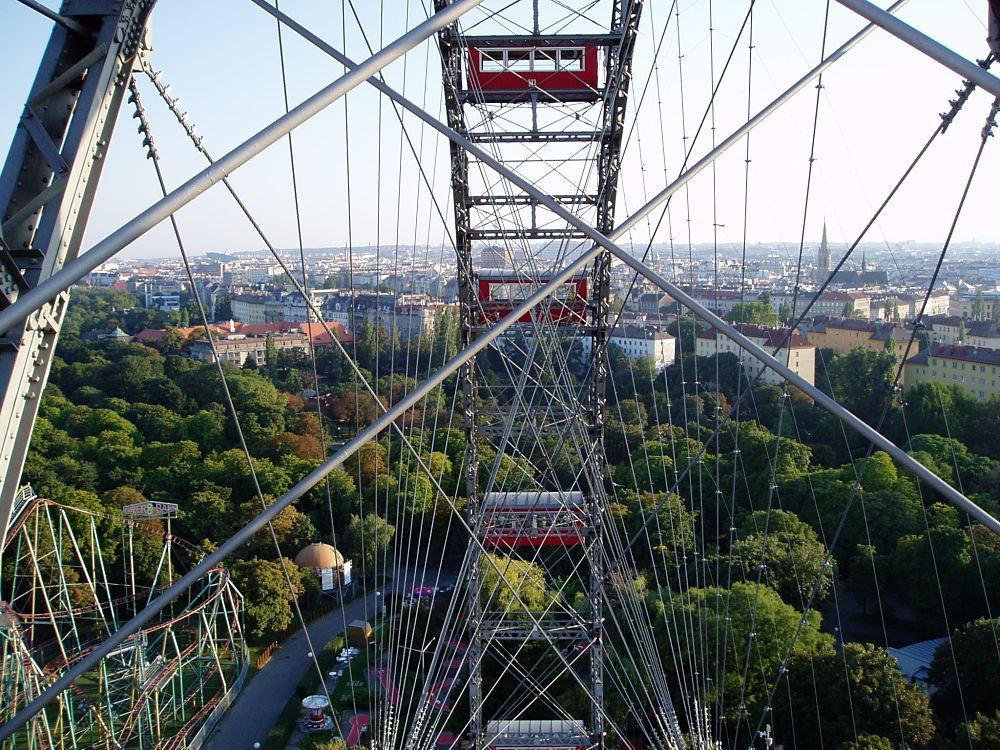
<point x="545" y="96"/>
<point x="525" y="233"/>
<point x="47" y="187"/>
<point x="543" y="40"/>
<point x="546" y="625"/>
<point x="531" y="136"/>
<point x="527" y="200"/>
<point x="510" y="219"/>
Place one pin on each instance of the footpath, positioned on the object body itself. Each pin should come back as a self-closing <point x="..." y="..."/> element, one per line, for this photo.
<point x="263" y="698"/>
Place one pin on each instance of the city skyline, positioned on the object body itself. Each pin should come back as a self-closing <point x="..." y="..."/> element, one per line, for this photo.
<point x="872" y="101"/>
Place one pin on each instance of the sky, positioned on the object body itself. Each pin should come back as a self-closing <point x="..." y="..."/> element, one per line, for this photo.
<point x="358" y="179"/>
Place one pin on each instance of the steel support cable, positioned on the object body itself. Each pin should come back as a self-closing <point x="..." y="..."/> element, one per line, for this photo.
<point x="311" y="349"/>
<point x="291" y="276"/>
<point x="773" y="484"/>
<point x="678" y="554"/>
<point x="688" y="621"/>
<point x="918" y="157"/>
<point x="946" y="121"/>
<point x="641" y="627"/>
<point x="944" y="609"/>
<point x="623" y="550"/>
<point x="531" y="359"/>
<point x="198" y="142"/>
<point x="75" y="270"/>
<point x="987" y="132"/>
<point x="659" y="586"/>
<point x="975" y="543"/>
<point x="153" y="156"/>
<point x="923" y="43"/>
<point x="39" y="295"/>
<point x="735" y="411"/>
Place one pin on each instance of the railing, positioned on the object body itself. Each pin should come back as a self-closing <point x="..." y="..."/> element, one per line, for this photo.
<point x="198" y="738"/>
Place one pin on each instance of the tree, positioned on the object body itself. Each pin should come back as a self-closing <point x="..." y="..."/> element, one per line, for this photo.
<point x="867" y="741"/>
<point x="979" y="306"/>
<point x="756" y="313"/>
<point x="651" y="469"/>
<point x="684" y="329"/>
<point x="975" y="686"/>
<point x="265" y="590"/>
<point x="835" y="697"/>
<point x="670" y="532"/>
<point x="791" y="553"/>
<point x="862" y="382"/>
<point x="925" y="577"/>
<point x="368" y="538"/>
<point x="512" y="586"/>
<point x="738" y="636"/>
<point x="981" y="732"/>
<point x="785" y="312"/>
<point x="292" y="529"/>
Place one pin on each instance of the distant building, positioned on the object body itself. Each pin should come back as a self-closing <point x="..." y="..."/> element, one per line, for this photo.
<point x="106" y="334"/>
<point x="846" y="334"/>
<point x="944" y="329"/>
<point x="983" y="333"/>
<point x="858" y="279"/>
<point x="650" y="302"/>
<point x="915" y="661"/>
<point x="829" y="304"/>
<point x="963" y="305"/>
<point x="637" y="342"/>
<point x="971" y="368"/>
<point x="328" y="564"/>
<point x="256" y="308"/>
<point x="721" y="301"/>
<point x="797" y="353"/>
<point x="237" y="348"/>
<point x="495" y="257"/>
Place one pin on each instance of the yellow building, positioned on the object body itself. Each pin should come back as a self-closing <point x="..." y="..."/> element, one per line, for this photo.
<point x="847" y="334"/>
<point x="844" y="335"/>
<point x="971" y="368"/>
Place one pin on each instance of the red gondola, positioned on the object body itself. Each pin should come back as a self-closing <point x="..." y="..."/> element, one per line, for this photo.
<point x="551" y="69"/>
<point x="533" y="519"/>
<point x="500" y="292"/>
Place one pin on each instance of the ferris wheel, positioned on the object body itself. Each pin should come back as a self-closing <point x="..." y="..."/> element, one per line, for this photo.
<point x="604" y="511"/>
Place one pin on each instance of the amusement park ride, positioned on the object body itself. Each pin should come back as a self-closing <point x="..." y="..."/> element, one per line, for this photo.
<point x="151" y="656"/>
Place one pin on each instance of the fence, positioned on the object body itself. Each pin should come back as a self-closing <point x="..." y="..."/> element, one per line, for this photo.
<point x="313" y="614"/>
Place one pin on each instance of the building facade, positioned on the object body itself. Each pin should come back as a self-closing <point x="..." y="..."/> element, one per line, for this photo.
<point x="237" y="349"/>
<point x="797" y="353"/>
<point x="971" y="368"/>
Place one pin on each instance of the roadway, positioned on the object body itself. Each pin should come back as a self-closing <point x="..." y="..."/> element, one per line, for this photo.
<point x="264" y="697"/>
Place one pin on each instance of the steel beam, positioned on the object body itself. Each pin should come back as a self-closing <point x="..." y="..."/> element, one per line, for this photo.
<point x="920" y="41"/>
<point x="543" y="40"/>
<point x="47" y="187"/>
<point x="180" y="197"/>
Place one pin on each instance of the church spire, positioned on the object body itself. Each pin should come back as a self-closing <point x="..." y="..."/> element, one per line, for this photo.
<point x="823" y="260"/>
